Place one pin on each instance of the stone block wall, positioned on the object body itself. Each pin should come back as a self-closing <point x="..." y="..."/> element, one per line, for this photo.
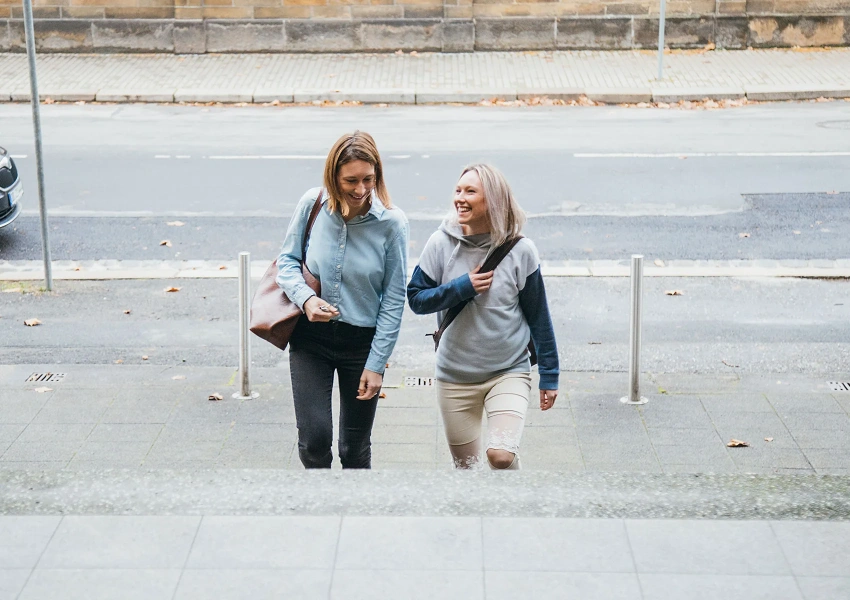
<point x="196" y="26"/>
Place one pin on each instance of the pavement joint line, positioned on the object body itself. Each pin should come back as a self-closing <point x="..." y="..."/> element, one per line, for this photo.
<point x="99" y="270"/>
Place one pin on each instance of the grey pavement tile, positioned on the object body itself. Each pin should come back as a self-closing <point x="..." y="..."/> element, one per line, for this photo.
<point x="139" y="412"/>
<point x="12" y="582"/>
<point x="767" y="455"/>
<point x="4" y="445"/>
<point x="64" y="409"/>
<point x="35" y="465"/>
<point x="256" y="584"/>
<point x="236" y="542"/>
<point x="175" y="452"/>
<point x="717" y="383"/>
<point x="705" y="454"/>
<point x="544" y="544"/>
<point x="730" y="422"/>
<point x="125" y="432"/>
<point x="196" y="432"/>
<point x="21" y="408"/>
<point x="635" y="434"/>
<point x="41" y="452"/>
<point x="825" y="421"/>
<point x="701" y="468"/>
<point x="101" y="584"/>
<point x="510" y="585"/>
<point x="675" y="418"/>
<point x="828" y="458"/>
<point x="822" y="439"/>
<point x="120" y="542"/>
<point x="263" y="411"/>
<point x="673" y="403"/>
<point x="56" y="432"/>
<point x="406" y="416"/>
<point x="408" y="584"/>
<point x="23" y="539"/>
<point x="815" y="548"/>
<point x="824" y="588"/>
<point x="626" y="465"/>
<point x="831" y="471"/>
<point x="9" y="432"/>
<point x="549" y="418"/>
<point x="706" y="547"/>
<point x="618" y="450"/>
<point x="678" y="436"/>
<point x="111" y="454"/>
<point x="712" y="587"/>
<point x="256" y="453"/>
<point x="776" y="439"/>
<point x="203" y="410"/>
<point x="404" y="434"/>
<point x="550" y="436"/>
<point x="804" y="403"/>
<point x="427" y="543"/>
<point x="624" y="415"/>
<point x="736" y="403"/>
<point x="263" y="432"/>
<point x="406" y="453"/>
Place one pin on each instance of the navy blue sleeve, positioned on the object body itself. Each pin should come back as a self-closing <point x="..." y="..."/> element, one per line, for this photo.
<point x="425" y="297"/>
<point x="532" y="300"/>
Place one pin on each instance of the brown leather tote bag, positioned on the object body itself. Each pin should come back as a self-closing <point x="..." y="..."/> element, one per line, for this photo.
<point x="273" y="314"/>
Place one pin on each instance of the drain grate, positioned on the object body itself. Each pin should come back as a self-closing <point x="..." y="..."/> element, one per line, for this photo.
<point x="839" y="386"/>
<point x="45" y="377"/>
<point x="418" y="382"/>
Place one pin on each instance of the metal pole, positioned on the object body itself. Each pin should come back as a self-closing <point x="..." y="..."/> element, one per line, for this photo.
<point x="661" y="19"/>
<point x="634" y="396"/>
<point x="36" y="121"/>
<point x="245" y="392"/>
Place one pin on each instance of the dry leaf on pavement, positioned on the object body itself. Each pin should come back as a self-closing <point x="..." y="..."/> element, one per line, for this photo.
<point x="43" y="389"/>
<point x="165" y="243"/>
<point x="32" y="322"/>
<point x="743" y="235"/>
<point x="659" y="262"/>
<point x="382" y="395"/>
<point x="172" y="289"/>
<point x="674" y="293"/>
<point x="733" y="443"/>
<point x="215" y="397"/>
<point x="127" y="312"/>
<point x="145" y="357"/>
<point x="119" y="361"/>
<point x="176" y="223"/>
<point x="222" y="268"/>
<point x="179" y="377"/>
<point x="768" y="439"/>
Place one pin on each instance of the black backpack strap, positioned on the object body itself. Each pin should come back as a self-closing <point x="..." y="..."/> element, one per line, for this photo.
<point x="490" y="264"/>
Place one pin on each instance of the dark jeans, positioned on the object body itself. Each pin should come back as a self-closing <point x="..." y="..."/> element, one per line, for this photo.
<point x="316" y="350"/>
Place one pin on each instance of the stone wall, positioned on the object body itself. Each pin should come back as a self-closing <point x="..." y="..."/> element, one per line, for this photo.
<point x="197" y="26"/>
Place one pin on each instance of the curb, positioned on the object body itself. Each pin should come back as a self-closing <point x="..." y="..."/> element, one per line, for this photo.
<point x="266" y="95"/>
<point x="101" y="270"/>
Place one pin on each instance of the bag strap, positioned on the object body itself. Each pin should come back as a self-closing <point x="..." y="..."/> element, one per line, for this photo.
<point x="311" y="219"/>
<point x="490" y="264"/>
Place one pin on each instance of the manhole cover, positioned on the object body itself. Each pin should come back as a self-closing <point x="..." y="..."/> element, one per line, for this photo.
<point x="839" y="386"/>
<point x="45" y="377"/>
<point x="834" y="124"/>
<point x="418" y="382"/>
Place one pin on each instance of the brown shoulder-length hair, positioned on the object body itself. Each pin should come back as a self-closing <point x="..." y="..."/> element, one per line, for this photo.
<point x="353" y="146"/>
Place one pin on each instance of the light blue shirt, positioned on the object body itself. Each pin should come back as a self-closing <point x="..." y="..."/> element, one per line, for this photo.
<point x="362" y="265"/>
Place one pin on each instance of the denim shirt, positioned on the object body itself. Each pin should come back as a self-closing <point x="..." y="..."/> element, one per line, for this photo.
<point x="362" y="265"/>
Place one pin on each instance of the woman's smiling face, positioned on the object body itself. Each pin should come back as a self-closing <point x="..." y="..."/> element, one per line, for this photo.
<point x="356" y="179"/>
<point x="470" y="204"/>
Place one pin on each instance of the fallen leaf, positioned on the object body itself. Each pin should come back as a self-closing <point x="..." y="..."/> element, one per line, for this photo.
<point x="215" y="397"/>
<point x="77" y="268"/>
<point x="32" y="322"/>
<point x="127" y="312"/>
<point x="743" y="235"/>
<point x="165" y="243"/>
<point x="733" y="443"/>
<point x="659" y="262"/>
<point x="175" y="223"/>
<point x="179" y="377"/>
<point x="768" y="439"/>
<point x="382" y="395"/>
<point x="119" y="361"/>
<point x="172" y="289"/>
<point x="42" y="389"/>
<point x="729" y="365"/>
<point x="674" y="293"/>
<point x="222" y="268"/>
<point x="594" y="343"/>
<point x="795" y="232"/>
<point x="387" y="366"/>
<point x="145" y="357"/>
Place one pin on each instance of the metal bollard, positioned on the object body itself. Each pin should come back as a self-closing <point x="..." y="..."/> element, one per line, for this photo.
<point x="634" y="396"/>
<point x="245" y="392"/>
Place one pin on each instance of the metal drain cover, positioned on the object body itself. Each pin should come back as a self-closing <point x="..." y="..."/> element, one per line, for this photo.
<point x="45" y="377"/>
<point x="839" y="386"/>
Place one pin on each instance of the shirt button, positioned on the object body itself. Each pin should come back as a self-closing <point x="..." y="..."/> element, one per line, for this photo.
<point x="342" y="245"/>
<point x="337" y="285"/>
<point x="338" y="266"/>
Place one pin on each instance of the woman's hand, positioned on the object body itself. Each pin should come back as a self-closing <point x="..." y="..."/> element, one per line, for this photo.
<point x="480" y="281"/>
<point x="547" y="399"/>
<point x="370" y="385"/>
<point x="319" y="311"/>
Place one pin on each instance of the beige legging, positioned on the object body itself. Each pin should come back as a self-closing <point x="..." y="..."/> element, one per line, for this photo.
<point x="504" y="397"/>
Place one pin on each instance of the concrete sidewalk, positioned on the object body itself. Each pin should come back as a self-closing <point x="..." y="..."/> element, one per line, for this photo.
<point x="578" y="76"/>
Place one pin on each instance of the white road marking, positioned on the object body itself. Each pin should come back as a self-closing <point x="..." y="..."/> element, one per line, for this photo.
<point x="706" y="154"/>
<point x="162" y="156"/>
<point x="18" y="156"/>
<point x="400" y="156"/>
<point x="270" y="157"/>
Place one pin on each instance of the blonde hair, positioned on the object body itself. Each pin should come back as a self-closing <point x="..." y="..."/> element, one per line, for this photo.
<point x="503" y="212"/>
<point x="353" y="146"/>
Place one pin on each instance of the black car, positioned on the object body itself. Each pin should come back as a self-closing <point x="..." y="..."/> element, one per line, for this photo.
<point x="11" y="189"/>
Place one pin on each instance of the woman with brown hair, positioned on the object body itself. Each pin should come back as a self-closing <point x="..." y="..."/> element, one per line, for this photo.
<point x="357" y="249"/>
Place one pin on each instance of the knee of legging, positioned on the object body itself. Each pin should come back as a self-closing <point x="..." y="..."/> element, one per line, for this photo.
<point x="354" y="451"/>
<point x="500" y="459"/>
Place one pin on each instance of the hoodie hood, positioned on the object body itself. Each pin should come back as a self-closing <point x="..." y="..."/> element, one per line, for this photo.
<point x="452" y="229"/>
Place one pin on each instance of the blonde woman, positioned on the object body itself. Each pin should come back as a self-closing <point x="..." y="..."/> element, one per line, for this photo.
<point x="358" y="251"/>
<point x="483" y="361"/>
